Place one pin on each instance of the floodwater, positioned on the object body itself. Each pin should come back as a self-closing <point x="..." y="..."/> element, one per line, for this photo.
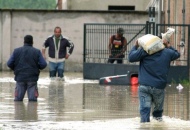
<point x="78" y="104"/>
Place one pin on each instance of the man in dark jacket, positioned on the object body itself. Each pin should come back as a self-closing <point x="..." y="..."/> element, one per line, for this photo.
<point x="57" y="53"/>
<point x="26" y="62"/>
<point x="153" y="71"/>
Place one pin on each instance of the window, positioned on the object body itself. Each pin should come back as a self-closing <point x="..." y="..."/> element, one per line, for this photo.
<point x="121" y="7"/>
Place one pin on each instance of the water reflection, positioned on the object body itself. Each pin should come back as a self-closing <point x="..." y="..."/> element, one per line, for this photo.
<point x="109" y="102"/>
<point x="25" y="112"/>
<point x="78" y="104"/>
<point x="56" y="100"/>
<point x="56" y="96"/>
<point x="177" y="102"/>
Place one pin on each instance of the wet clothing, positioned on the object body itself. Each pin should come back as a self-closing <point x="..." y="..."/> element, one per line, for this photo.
<point x="57" y="52"/>
<point x="149" y="95"/>
<point x="22" y="87"/>
<point x="153" y="72"/>
<point x="117" y="48"/>
<point x="26" y="62"/>
<point x="56" y="68"/>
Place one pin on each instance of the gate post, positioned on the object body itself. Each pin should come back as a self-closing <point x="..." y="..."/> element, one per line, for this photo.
<point x="188" y="52"/>
<point x="84" y="45"/>
<point x="152" y="20"/>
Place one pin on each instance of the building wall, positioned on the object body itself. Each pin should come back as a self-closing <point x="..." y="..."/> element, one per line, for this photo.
<point x="140" y="5"/>
<point x="176" y="15"/>
<point x="15" y="24"/>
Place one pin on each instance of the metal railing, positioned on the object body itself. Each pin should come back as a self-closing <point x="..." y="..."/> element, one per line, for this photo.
<point x="179" y="40"/>
<point x="96" y="40"/>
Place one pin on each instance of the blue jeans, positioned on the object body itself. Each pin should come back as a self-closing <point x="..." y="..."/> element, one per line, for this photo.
<point x="56" y="68"/>
<point x="150" y="96"/>
<point x="22" y="87"/>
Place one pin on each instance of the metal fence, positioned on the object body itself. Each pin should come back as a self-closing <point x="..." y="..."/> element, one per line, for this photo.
<point x="96" y="40"/>
<point x="179" y="40"/>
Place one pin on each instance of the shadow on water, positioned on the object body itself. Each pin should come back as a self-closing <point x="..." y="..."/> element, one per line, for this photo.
<point x="79" y="104"/>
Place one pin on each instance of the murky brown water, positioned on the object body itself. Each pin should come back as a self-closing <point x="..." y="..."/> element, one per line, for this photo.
<point x="78" y="104"/>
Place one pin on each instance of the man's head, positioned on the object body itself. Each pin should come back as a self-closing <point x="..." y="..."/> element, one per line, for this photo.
<point x="57" y="32"/>
<point x="28" y="39"/>
<point x="120" y="31"/>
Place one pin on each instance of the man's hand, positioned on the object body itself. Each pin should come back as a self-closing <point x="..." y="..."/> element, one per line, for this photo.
<point x="118" y="55"/>
<point x="136" y="43"/>
<point x="44" y="53"/>
<point x="44" y="56"/>
<point x="166" y="43"/>
<point x="67" y="56"/>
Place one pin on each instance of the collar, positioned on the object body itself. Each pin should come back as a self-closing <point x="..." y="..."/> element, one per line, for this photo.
<point x="61" y="37"/>
<point x="26" y="44"/>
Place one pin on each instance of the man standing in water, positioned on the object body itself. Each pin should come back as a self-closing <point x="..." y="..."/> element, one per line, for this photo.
<point x="57" y="52"/>
<point x="153" y="71"/>
<point x="26" y="62"/>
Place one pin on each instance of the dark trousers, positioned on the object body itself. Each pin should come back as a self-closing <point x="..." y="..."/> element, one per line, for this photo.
<point x="22" y="87"/>
<point x="111" y="60"/>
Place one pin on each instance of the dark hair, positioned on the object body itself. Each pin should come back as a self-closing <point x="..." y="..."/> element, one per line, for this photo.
<point x="57" y="28"/>
<point x="120" y="31"/>
<point x="28" y="39"/>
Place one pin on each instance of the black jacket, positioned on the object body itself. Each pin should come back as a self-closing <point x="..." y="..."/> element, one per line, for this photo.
<point x="64" y="43"/>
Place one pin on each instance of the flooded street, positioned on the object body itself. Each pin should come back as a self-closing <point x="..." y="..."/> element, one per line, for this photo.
<point x="78" y="104"/>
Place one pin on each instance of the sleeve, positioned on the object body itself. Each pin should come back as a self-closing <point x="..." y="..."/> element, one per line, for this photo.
<point x="11" y="61"/>
<point x="70" y="46"/>
<point x="175" y="54"/>
<point x="41" y="61"/>
<point x="46" y="43"/>
<point x="136" y="54"/>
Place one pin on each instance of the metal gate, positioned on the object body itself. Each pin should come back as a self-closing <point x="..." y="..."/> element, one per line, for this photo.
<point x="180" y="40"/>
<point x="96" y="39"/>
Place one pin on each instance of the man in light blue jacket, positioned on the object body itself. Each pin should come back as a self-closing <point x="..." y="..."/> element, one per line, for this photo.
<point x="153" y="72"/>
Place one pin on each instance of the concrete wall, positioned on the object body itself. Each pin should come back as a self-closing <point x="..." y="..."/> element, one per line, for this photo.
<point x="15" y="24"/>
<point x="140" y="5"/>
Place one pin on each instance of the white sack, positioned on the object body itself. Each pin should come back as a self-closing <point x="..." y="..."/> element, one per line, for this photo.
<point x="150" y="43"/>
<point x="168" y="34"/>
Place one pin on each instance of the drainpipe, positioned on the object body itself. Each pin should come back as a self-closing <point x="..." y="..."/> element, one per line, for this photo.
<point x="182" y="42"/>
<point x="159" y="3"/>
<point x="168" y="11"/>
<point x="59" y="4"/>
<point x="1" y="32"/>
<point x="159" y="11"/>
<point x="183" y="29"/>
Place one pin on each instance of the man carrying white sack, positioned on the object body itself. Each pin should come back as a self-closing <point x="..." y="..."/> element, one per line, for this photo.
<point x="153" y="71"/>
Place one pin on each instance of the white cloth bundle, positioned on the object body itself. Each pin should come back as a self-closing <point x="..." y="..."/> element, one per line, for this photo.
<point x="168" y="34"/>
<point x="151" y="43"/>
